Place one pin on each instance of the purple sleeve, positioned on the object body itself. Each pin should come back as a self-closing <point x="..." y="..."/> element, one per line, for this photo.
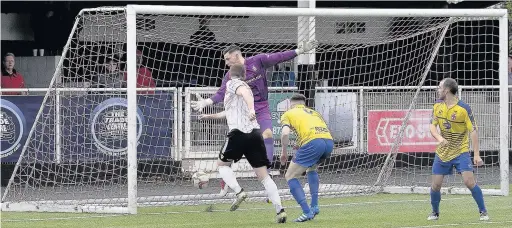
<point x="219" y="96"/>
<point x="268" y="60"/>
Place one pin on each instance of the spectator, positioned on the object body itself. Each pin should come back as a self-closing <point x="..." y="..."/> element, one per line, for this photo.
<point x="144" y="77"/>
<point x="11" y="79"/>
<point x="109" y="75"/>
<point x="279" y="78"/>
<point x="291" y="76"/>
<point x="204" y="36"/>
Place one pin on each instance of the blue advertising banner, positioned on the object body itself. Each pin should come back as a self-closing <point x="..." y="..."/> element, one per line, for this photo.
<point x="17" y="115"/>
<point x="93" y="127"/>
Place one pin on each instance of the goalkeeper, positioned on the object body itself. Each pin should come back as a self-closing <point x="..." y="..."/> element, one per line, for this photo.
<point x="255" y="67"/>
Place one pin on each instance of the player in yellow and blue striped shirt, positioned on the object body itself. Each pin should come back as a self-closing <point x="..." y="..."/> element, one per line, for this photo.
<point x="456" y="123"/>
<point x="315" y="143"/>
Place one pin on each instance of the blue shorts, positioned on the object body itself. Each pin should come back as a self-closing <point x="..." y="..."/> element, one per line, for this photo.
<point x="462" y="163"/>
<point x="313" y="152"/>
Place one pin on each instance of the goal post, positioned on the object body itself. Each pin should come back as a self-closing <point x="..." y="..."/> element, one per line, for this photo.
<point x="131" y="43"/>
<point x="505" y="133"/>
<point x="99" y="145"/>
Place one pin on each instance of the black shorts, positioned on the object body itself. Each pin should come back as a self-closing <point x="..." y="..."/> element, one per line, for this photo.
<point x="251" y="145"/>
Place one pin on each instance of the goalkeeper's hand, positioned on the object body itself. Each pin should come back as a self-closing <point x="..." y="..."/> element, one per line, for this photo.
<point x="307" y="46"/>
<point x="200" y="103"/>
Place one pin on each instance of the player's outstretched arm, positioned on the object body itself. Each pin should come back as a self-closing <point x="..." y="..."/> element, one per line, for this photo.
<point x="216" y="116"/>
<point x="306" y="46"/>
<point x="218" y="97"/>
<point x="200" y="103"/>
<point x="272" y="59"/>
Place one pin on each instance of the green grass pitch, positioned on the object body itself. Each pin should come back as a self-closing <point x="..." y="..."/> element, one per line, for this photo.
<point x="379" y="211"/>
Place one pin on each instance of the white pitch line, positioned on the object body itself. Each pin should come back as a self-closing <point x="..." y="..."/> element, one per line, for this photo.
<point x="61" y="218"/>
<point x="458" y="224"/>
<point x="240" y="209"/>
<point x="297" y="206"/>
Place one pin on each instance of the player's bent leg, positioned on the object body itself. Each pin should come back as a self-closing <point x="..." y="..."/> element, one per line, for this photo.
<point x="265" y="123"/>
<point x="294" y="171"/>
<point x="272" y="192"/>
<point x="476" y="192"/>
<point x="227" y="174"/>
<point x="314" y="184"/>
<point x="325" y="148"/>
<point x="269" y="143"/>
<point x="256" y="156"/>
<point x="224" y="188"/>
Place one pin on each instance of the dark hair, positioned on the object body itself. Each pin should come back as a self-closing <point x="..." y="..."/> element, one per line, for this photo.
<point x="298" y="97"/>
<point x="451" y="84"/>
<point x="230" y="49"/>
<point x="238" y="71"/>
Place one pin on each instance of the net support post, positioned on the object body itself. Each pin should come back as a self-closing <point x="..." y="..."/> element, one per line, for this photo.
<point x="175" y="133"/>
<point x="188" y="126"/>
<point x="58" y="123"/>
<point x="504" y="102"/>
<point x="391" y="156"/>
<point x="131" y="68"/>
<point x="306" y="62"/>
<point x="361" y="121"/>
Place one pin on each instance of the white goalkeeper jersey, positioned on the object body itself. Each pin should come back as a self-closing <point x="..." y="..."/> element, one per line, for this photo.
<point x="237" y="111"/>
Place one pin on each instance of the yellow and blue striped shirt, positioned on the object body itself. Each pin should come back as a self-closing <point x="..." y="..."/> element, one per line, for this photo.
<point x="455" y="124"/>
<point x="307" y="123"/>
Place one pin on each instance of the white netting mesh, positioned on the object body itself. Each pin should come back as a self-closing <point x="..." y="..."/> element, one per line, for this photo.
<point x="365" y="69"/>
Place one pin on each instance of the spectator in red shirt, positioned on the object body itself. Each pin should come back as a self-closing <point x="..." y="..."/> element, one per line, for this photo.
<point x="144" y="77"/>
<point x="11" y="79"/>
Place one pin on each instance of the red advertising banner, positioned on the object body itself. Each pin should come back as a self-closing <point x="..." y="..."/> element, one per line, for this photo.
<point x="384" y="126"/>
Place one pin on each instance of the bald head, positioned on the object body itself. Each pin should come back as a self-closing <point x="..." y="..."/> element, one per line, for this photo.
<point x="237" y="71"/>
<point x="450" y="85"/>
<point x="447" y="88"/>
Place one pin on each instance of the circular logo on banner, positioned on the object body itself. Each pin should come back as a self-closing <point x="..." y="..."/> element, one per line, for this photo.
<point x="12" y="127"/>
<point x="109" y="126"/>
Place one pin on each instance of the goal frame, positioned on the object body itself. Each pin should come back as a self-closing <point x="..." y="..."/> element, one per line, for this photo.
<point x="133" y="10"/>
<point x="326" y="12"/>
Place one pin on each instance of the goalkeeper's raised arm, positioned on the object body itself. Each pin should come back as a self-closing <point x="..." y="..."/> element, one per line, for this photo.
<point x="256" y="72"/>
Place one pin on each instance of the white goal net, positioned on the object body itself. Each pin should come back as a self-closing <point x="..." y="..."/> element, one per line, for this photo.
<point x="373" y="78"/>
